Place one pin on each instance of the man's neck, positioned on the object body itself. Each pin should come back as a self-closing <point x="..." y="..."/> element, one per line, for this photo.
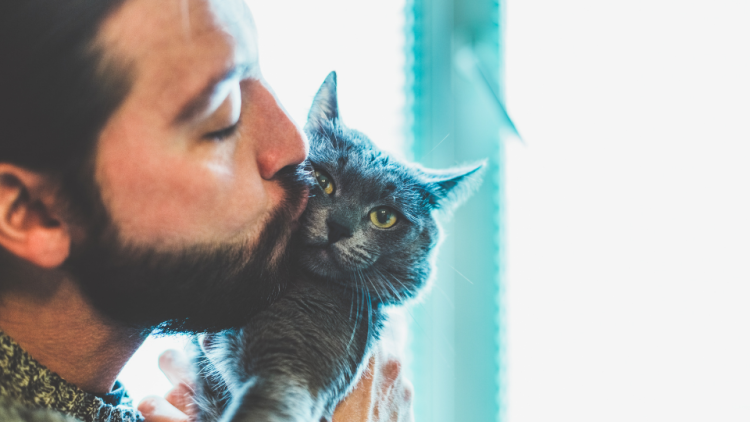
<point x="51" y="319"/>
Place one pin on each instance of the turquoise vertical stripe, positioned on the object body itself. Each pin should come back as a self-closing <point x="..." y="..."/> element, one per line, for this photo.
<point x="454" y="92"/>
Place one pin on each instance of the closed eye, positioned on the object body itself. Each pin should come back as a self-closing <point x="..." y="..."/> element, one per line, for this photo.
<point x="222" y="134"/>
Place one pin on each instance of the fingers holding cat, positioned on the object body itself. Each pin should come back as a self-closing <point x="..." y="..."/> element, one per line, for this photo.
<point x="393" y="394"/>
<point x="383" y="394"/>
<point x="177" y="368"/>
<point x="357" y="406"/>
<point x="176" y="405"/>
<point x="158" y="409"/>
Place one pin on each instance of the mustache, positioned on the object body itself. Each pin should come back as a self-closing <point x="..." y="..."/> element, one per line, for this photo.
<point x="297" y="178"/>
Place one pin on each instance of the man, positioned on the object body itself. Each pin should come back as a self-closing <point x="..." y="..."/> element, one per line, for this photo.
<point x="149" y="179"/>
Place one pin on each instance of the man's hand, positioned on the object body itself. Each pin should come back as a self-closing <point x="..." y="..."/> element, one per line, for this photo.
<point x="176" y="405"/>
<point x="382" y="395"/>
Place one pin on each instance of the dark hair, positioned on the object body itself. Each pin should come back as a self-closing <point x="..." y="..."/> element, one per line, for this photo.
<point x="56" y="89"/>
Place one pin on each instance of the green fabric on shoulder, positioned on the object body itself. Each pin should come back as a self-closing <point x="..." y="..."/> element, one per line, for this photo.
<point x="11" y="411"/>
<point x="25" y="385"/>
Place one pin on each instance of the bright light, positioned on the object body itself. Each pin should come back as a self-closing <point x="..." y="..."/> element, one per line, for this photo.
<point x="629" y="210"/>
<point x="301" y="41"/>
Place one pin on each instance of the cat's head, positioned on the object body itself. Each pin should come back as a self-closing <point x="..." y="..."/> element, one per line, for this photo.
<point x="370" y="221"/>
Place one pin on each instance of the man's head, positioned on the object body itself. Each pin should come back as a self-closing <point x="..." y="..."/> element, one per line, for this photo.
<point x="160" y="171"/>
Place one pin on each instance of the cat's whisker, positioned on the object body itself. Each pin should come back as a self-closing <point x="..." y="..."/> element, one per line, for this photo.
<point x="351" y="306"/>
<point x="380" y="291"/>
<point x="438" y="144"/>
<point x="356" y="319"/>
<point x="366" y="295"/>
<point x="391" y="279"/>
<point x="459" y="273"/>
<point x="396" y="293"/>
<point x="369" y="313"/>
<point x="368" y="282"/>
<point x="381" y="296"/>
<point x="363" y="293"/>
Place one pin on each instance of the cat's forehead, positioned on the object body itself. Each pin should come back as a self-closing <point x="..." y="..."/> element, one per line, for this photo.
<point x="350" y="156"/>
<point x="363" y="174"/>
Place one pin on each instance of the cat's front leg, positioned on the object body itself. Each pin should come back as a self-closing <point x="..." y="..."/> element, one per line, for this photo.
<point x="211" y="393"/>
<point x="270" y="400"/>
<point x="296" y="360"/>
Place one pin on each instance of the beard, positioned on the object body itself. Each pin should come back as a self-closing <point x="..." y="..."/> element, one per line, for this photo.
<point x="194" y="290"/>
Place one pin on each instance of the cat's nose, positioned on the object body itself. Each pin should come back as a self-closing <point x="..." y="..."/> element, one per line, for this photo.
<point x="337" y="231"/>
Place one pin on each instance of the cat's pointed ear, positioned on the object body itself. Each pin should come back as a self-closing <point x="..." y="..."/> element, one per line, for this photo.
<point x="325" y="106"/>
<point x="446" y="189"/>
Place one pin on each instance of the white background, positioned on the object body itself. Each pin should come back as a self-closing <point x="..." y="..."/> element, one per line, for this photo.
<point x="629" y="210"/>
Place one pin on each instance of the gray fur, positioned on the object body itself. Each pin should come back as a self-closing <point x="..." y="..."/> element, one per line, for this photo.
<point x="297" y="359"/>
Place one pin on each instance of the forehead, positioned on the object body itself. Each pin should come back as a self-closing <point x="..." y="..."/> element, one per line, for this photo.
<point x="174" y="47"/>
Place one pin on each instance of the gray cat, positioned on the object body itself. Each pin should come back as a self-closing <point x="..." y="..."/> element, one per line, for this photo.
<point x="365" y="242"/>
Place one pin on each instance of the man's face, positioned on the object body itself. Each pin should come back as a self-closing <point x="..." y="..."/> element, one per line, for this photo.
<point x="195" y="170"/>
<point x="171" y="169"/>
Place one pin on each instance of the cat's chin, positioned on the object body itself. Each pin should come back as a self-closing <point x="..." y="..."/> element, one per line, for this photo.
<point x="323" y="261"/>
<point x="319" y="261"/>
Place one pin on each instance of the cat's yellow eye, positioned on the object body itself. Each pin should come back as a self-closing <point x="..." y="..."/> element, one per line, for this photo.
<point x="325" y="182"/>
<point x="383" y="217"/>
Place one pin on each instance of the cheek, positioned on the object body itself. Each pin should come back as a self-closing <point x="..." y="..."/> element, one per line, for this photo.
<point x="172" y="197"/>
<point x="364" y="237"/>
<point x="392" y="241"/>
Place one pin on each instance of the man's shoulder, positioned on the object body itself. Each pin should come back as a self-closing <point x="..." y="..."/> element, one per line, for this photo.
<point x="26" y="386"/>
<point x="11" y="411"/>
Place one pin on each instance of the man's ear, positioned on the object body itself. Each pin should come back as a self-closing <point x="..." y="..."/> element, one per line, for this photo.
<point x="30" y="225"/>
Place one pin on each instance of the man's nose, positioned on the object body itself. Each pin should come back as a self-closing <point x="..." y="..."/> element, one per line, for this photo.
<point x="280" y="143"/>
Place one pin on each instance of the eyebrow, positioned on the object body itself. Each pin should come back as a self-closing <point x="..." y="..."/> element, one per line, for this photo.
<point x="199" y="103"/>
